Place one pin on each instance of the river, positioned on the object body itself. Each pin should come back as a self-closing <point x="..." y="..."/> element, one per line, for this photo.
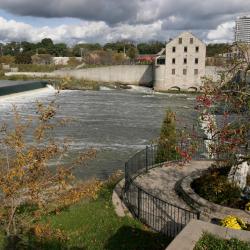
<point x="117" y="123"/>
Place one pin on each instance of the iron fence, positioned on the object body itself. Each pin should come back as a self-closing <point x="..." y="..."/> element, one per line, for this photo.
<point x="160" y="215"/>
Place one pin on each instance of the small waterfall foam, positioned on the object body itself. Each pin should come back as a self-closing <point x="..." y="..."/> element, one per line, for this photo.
<point x="50" y="86"/>
<point x="140" y="89"/>
<point x="105" y="88"/>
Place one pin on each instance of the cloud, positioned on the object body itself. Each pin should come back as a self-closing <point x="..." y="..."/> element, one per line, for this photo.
<point x="223" y="33"/>
<point x="175" y="14"/>
<point x="85" y="31"/>
<point x="110" y="20"/>
<point x="109" y="11"/>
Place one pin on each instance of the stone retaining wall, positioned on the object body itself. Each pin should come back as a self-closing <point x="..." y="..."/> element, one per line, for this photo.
<point x="207" y="209"/>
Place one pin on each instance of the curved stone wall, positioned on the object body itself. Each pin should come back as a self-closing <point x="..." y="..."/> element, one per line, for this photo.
<point x="207" y="209"/>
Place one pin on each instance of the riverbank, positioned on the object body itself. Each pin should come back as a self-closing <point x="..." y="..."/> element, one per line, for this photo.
<point x="94" y="225"/>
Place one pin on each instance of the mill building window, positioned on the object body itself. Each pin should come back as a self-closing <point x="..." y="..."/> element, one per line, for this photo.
<point x="161" y="61"/>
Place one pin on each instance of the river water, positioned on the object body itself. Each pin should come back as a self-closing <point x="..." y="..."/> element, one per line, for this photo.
<point x="117" y="123"/>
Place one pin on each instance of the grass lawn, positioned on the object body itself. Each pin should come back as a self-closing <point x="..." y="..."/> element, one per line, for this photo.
<point x="211" y="242"/>
<point x="94" y="225"/>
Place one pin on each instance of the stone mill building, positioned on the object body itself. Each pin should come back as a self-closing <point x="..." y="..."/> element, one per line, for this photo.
<point x="181" y="64"/>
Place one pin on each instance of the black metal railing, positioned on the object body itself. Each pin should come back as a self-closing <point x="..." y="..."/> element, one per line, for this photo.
<point x="160" y="215"/>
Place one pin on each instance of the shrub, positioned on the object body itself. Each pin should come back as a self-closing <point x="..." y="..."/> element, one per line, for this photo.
<point x="24" y="58"/>
<point x="216" y="188"/>
<point x="212" y="242"/>
<point x="7" y="59"/>
<point x="247" y="206"/>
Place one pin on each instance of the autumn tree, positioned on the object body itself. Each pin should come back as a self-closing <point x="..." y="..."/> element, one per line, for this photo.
<point x="28" y="180"/>
<point x="224" y="108"/>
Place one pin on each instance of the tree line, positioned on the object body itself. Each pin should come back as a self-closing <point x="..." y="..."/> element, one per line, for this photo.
<point x="23" y="51"/>
<point x="47" y="46"/>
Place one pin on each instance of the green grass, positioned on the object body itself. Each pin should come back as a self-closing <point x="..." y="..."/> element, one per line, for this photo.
<point x="94" y="225"/>
<point x="211" y="242"/>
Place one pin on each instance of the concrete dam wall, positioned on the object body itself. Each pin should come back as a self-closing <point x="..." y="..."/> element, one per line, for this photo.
<point x="127" y="74"/>
<point x="11" y="87"/>
<point x="145" y="75"/>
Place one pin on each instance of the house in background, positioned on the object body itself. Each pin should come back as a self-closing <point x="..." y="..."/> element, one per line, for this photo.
<point x="145" y="59"/>
<point x="181" y="64"/>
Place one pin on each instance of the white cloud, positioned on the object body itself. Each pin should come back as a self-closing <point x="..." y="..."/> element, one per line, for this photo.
<point x="223" y="33"/>
<point x="106" y="20"/>
<point x="85" y="31"/>
<point x="99" y="31"/>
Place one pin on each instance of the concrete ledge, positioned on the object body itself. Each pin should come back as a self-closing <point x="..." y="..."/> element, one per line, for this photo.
<point x="207" y="209"/>
<point x="117" y="196"/>
<point x="189" y="236"/>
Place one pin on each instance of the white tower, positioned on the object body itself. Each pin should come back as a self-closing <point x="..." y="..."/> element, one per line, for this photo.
<point x="242" y="29"/>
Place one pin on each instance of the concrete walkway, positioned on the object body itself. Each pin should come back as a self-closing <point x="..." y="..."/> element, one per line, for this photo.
<point x="161" y="181"/>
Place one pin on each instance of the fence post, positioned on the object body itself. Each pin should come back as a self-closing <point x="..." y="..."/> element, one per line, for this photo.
<point x="146" y="159"/>
<point x="139" y="203"/>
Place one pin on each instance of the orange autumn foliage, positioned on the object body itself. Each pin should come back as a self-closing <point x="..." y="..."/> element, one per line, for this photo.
<point x="26" y="173"/>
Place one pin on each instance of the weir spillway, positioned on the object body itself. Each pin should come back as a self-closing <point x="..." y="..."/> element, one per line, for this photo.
<point x="12" y="87"/>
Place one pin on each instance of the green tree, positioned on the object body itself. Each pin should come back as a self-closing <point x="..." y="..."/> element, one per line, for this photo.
<point x="83" y="48"/>
<point x="60" y="49"/>
<point x="47" y="42"/>
<point x="217" y="48"/>
<point x="132" y="52"/>
<point x="168" y="139"/>
<point x="150" y="48"/>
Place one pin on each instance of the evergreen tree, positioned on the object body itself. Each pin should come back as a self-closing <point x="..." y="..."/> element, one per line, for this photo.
<point x="168" y="139"/>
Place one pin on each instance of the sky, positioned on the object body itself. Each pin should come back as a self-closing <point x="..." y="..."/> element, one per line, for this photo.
<point x="102" y="21"/>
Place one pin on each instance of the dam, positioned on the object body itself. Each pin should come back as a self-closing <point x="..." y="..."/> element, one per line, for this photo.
<point x="11" y="87"/>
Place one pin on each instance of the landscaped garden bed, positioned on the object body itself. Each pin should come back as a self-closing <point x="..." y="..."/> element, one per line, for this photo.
<point x="209" y="192"/>
<point x="212" y="242"/>
<point x="215" y="187"/>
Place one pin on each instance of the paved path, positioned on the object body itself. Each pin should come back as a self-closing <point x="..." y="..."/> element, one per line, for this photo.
<point x="161" y="181"/>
